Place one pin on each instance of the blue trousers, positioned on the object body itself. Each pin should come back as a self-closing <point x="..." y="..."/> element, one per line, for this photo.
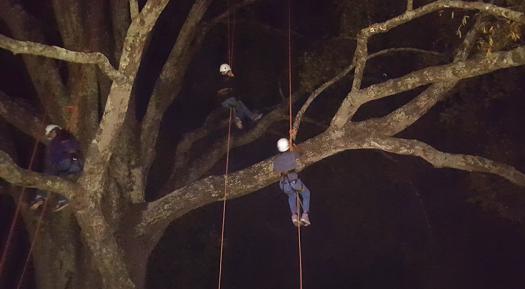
<point x="291" y="187"/>
<point x="65" y="168"/>
<point x="239" y="108"/>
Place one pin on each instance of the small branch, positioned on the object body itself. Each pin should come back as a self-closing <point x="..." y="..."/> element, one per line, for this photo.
<point x="347" y="109"/>
<point x="440" y="159"/>
<point x="324" y="86"/>
<point x="33" y="48"/>
<point x="451" y="72"/>
<point x="133" y="8"/>
<point x="15" y="175"/>
<point x="410" y="5"/>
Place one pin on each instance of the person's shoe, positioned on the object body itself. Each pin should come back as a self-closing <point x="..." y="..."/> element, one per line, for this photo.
<point x="305" y="221"/>
<point x="238" y="122"/>
<point x="295" y="220"/>
<point x="37" y="203"/>
<point x="61" y="204"/>
<point x="257" y="116"/>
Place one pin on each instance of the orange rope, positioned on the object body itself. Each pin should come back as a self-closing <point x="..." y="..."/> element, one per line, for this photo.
<point x="225" y="197"/>
<point x="17" y="212"/>
<point x="33" y="243"/>
<point x="299" y="246"/>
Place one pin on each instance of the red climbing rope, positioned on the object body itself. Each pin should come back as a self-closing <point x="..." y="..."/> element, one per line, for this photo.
<point x="33" y="243"/>
<point x="225" y="196"/>
<point x="17" y="213"/>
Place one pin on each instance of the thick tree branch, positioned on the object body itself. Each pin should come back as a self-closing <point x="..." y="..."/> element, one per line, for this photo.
<point x="451" y="72"/>
<point x="440" y="159"/>
<point x="15" y="175"/>
<point x="158" y="214"/>
<point x="22" y="117"/>
<point x="33" y="48"/>
<point x="347" y="109"/>
<point x="324" y="86"/>
<point x="98" y="234"/>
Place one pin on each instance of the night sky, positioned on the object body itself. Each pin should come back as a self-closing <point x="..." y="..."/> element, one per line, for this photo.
<point x="378" y="220"/>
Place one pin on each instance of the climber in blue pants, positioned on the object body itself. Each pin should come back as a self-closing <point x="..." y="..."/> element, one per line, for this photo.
<point x="286" y="164"/>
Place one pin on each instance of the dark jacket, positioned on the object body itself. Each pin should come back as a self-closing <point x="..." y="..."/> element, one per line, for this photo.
<point x="63" y="147"/>
<point x="227" y="88"/>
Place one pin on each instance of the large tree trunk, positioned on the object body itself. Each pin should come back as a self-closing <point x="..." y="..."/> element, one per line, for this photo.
<point x="61" y="260"/>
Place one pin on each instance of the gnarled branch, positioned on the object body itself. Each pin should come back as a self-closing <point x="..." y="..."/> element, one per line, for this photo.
<point x="441" y="159"/>
<point x="158" y="214"/>
<point x="55" y="52"/>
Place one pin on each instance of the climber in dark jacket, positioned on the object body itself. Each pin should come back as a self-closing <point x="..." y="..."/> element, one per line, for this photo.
<point x="229" y="99"/>
<point x="63" y="158"/>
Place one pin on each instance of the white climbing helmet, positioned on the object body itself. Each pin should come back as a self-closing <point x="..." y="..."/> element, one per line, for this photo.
<point x="224" y="68"/>
<point x="51" y="127"/>
<point x="283" y="144"/>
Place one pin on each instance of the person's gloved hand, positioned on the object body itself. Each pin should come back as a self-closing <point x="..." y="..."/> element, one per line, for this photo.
<point x="224" y="91"/>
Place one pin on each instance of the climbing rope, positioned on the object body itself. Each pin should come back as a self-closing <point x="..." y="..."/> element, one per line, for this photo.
<point x="225" y="196"/>
<point x="33" y="243"/>
<point x="17" y="213"/>
<point x="298" y="202"/>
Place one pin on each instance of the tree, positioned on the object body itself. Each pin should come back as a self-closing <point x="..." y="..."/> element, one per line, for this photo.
<point x="112" y="227"/>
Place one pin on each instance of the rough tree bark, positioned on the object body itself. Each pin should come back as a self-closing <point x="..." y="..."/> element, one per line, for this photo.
<point x="111" y="227"/>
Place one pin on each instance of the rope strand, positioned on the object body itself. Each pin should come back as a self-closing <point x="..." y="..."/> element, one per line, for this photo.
<point x="17" y="213"/>
<point x="225" y="197"/>
<point x="33" y="243"/>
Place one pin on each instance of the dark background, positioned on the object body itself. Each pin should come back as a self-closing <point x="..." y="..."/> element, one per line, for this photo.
<point x="378" y="220"/>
